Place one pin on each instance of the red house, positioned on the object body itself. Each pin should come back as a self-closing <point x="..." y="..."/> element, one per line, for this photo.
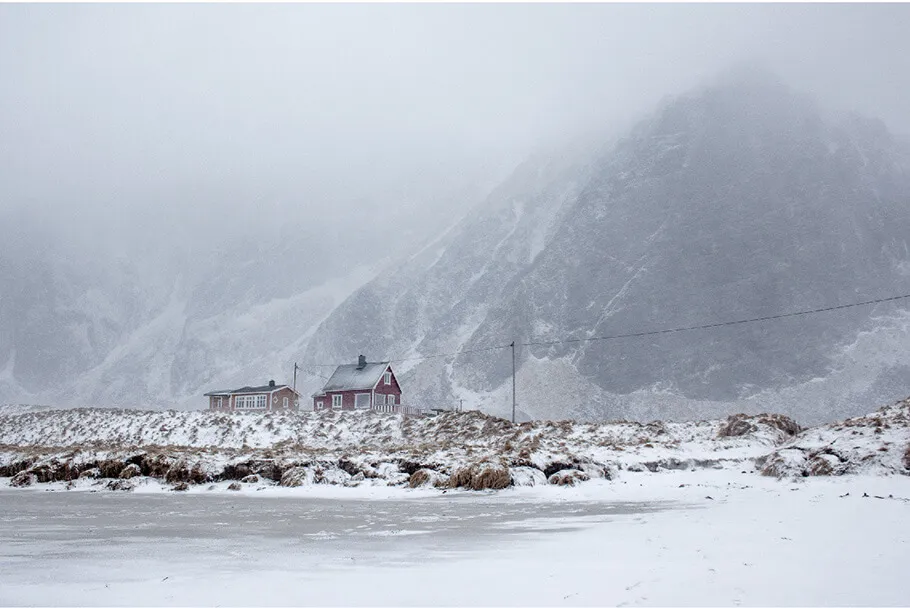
<point x="269" y="398"/>
<point x="360" y="386"/>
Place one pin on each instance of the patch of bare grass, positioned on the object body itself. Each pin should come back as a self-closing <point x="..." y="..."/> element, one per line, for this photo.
<point x="481" y="477"/>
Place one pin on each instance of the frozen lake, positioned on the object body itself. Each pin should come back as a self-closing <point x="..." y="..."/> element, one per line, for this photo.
<point x="60" y="531"/>
<point x="703" y="538"/>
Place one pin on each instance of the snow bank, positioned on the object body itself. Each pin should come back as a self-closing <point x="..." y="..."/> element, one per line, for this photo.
<point x="455" y="449"/>
<point x="878" y="443"/>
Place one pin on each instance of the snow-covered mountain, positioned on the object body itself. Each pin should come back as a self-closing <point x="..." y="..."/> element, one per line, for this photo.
<point x="741" y="199"/>
<point x="162" y="304"/>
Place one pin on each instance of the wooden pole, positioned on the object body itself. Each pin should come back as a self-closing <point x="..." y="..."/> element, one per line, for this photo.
<point x="513" y="380"/>
<point x="295" y="376"/>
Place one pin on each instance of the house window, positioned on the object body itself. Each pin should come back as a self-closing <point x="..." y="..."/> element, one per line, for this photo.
<point x="387" y="378"/>
<point x="261" y="401"/>
<point x="362" y="401"/>
<point x="380" y="399"/>
<point x="320" y="405"/>
<point x="285" y="403"/>
<point x="390" y="399"/>
<point x="336" y="402"/>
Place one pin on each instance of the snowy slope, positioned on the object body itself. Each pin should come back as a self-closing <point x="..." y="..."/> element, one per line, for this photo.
<point x="876" y="443"/>
<point x="467" y="449"/>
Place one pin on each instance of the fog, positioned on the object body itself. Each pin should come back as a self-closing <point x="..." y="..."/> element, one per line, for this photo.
<point x="310" y="111"/>
<point x="193" y="195"/>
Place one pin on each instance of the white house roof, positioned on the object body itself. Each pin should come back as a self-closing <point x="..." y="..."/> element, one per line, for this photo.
<point x="268" y="388"/>
<point x="354" y="378"/>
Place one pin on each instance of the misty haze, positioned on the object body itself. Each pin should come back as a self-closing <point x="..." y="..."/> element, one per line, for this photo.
<point x="199" y="197"/>
<point x="439" y="304"/>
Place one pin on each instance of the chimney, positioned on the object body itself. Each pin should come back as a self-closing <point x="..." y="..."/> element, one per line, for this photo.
<point x="271" y="384"/>
<point x="361" y="362"/>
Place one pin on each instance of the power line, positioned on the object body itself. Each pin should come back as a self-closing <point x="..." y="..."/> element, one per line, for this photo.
<point x="644" y="333"/>
<point x="436" y="356"/>
<point x="722" y="324"/>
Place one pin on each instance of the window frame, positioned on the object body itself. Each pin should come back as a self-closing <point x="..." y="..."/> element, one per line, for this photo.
<point x="387" y="378"/>
<point x="340" y="400"/>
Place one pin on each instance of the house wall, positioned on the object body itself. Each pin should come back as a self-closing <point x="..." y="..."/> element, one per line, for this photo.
<point x="275" y="402"/>
<point x="390" y="389"/>
<point x="226" y="403"/>
<point x="347" y="399"/>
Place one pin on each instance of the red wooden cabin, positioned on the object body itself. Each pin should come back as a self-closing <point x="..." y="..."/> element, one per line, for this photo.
<point x="360" y="386"/>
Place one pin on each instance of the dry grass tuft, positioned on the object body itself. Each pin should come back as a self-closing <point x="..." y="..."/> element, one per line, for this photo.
<point x="819" y="466"/>
<point x="481" y="477"/>
<point x="568" y="477"/>
<point x="419" y="478"/>
<point x="23" y="479"/>
<point x="785" y="424"/>
<point x="234" y="487"/>
<point x="130" y="471"/>
<point x="736" y="425"/>
<point x="123" y="485"/>
<point x="907" y="458"/>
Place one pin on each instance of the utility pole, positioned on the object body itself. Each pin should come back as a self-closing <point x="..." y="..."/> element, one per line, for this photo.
<point x="513" y="380"/>
<point x="295" y="376"/>
<point x="461" y="405"/>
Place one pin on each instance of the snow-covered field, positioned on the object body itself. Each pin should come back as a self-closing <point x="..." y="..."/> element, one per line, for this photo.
<point x="467" y="449"/>
<point x="706" y="537"/>
<point x="362" y="508"/>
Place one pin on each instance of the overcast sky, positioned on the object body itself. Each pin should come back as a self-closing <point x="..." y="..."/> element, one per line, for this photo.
<point x="110" y="105"/>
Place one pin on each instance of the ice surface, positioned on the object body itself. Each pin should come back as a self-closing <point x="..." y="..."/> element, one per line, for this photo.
<point x="683" y="538"/>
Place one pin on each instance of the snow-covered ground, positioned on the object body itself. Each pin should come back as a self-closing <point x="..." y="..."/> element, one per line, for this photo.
<point x="467" y="449"/>
<point x="706" y="537"/>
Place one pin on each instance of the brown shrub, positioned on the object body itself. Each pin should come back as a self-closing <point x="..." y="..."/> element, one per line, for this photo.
<point x="481" y="477"/>
<point x="177" y="473"/>
<point x="130" y="471"/>
<point x="23" y="479"/>
<point x="92" y="473"/>
<point x="492" y="478"/>
<point x="819" y="466"/>
<point x="736" y="425"/>
<point x="14" y="468"/>
<point x="123" y="485"/>
<point x="234" y="487"/>
<point x="406" y="466"/>
<point x="419" y="478"/>
<point x="198" y="475"/>
<point x="110" y="468"/>
<point x="181" y="487"/>
<point x="250" y="479"/>
<point x="568" y="477"/>
<point x="907" y="457"/>
<point x="785" y="424"/>
<point x="555" y="467"/>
